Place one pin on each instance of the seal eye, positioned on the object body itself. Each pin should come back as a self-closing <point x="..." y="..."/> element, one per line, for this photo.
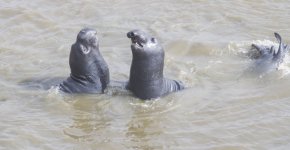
<point x="153" y="40"/>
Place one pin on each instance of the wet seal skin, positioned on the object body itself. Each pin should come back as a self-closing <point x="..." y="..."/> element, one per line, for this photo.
<point x="146" y="74"/>
<point x="89" y="71"/>
<point x="270" y="57"/>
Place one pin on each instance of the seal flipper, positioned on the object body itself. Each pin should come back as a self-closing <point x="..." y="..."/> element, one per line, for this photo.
<point x="43" y="83"/>
<point x="277" y="54"/>
<point x="272" y="51"/>
<point x="278" y="37"/>
<point x="179" y="84"/>
<point x="170" y="85"/>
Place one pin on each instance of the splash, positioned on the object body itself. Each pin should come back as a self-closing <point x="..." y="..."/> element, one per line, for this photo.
<point x="244" y="49"/>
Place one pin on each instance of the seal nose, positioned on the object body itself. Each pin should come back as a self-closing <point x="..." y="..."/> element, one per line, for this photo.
<point x="130" y="34"/>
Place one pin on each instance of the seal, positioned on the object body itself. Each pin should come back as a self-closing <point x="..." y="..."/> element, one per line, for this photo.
<point x="146" y="79"/>
<point x="89" y="71"/>
<point x="270" y="57"/>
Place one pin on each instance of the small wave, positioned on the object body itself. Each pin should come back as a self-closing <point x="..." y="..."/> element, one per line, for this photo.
<point x="54" y="90"/>
<point x="285" y="66"/>
<point x="244" y="49"/>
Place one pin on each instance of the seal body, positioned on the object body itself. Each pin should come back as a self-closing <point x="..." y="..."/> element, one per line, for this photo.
<point x="269" y="57"/>
<point x="146" y="74"/>
<point x="89" y="71"/>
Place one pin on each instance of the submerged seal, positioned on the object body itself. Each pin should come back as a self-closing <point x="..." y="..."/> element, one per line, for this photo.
<point x="89" y="71"/>
<point x="270" y="57"/>
<point x="146" y="75"/>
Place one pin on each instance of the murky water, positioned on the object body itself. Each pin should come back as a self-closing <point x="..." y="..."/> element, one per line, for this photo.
<point x="205" y="43"/>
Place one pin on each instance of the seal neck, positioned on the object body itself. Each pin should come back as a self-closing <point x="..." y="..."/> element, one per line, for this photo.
<point x="83" y="79"/>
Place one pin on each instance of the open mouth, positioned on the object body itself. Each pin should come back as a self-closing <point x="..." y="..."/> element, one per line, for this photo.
<point x="136" y="42"/>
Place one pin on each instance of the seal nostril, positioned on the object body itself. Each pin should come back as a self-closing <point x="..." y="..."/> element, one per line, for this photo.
<point x="130" y="34"/>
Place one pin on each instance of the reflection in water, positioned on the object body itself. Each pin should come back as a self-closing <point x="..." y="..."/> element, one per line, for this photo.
<point x="90" y="118"/>
<point x="147" y="123"/>
<point x="143" y="128"/>
<point x="143" y="131"/>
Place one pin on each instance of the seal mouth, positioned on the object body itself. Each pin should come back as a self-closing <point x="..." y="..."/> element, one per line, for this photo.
<point x="136" y="42"/>
<point x="138" y="38"/>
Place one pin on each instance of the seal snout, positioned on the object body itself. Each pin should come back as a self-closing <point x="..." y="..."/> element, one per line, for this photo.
<point x="130" y="34"/>
<point x="137" y="37"/>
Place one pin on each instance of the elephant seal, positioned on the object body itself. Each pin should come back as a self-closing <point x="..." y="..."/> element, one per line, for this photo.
<point x="89" y="71"/>
<point x="269" y="57"/>
<point x="146" y="74"/>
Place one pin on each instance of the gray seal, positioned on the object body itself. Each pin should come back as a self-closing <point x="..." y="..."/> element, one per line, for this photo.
<point x="146" y="74"/>
<point x="269" y="57"/>
<point x="89" y="71"/>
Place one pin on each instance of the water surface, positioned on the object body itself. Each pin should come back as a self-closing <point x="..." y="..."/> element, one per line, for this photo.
<point x="206" y="45"/>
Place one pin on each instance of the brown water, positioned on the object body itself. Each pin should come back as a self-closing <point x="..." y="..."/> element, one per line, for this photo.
<point x="205" y="43"/>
